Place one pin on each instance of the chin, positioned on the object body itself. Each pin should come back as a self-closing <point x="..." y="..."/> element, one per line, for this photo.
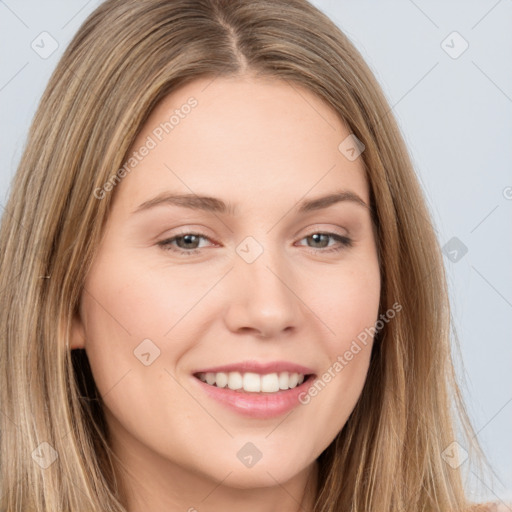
<point x="263" y="473"/>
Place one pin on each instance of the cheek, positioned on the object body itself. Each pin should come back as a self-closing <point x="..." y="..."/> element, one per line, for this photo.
<point x="130" y="312"/>
<point x="129" y="301"/>
<point x="346" y="300"/>
<point x="138" y="301"/>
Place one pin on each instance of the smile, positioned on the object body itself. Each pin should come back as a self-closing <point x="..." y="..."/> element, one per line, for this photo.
<point x="251" y="382"/>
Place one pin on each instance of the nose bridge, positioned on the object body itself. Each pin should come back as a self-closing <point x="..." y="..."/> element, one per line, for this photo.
<point x="261" y="263"/>
<point x="262" y="294"/>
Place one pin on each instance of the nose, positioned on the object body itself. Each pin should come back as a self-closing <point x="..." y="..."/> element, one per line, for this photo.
<point x="262" y="297"/>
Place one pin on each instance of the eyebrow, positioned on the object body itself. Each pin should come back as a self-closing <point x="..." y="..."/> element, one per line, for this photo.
<point x="215" y="205"/>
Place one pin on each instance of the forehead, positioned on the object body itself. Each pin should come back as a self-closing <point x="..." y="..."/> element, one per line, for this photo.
<point x="251" y="140"/>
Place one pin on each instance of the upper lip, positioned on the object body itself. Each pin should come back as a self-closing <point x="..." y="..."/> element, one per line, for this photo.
<point x="258" y="367"/>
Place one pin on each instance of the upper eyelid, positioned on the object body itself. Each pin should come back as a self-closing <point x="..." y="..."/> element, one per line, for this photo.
<point x="309" y="230"/>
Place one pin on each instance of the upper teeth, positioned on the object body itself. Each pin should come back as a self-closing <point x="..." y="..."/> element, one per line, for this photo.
<point x="253" y="382"/>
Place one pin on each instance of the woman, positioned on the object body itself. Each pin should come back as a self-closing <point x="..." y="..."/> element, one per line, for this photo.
<point x="297" y="357"/>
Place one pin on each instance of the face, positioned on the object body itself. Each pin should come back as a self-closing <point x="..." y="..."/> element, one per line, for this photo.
<point x="263" y="287"/>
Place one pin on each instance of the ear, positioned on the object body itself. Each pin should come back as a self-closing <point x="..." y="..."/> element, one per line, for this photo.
<point x="77" y="332"/>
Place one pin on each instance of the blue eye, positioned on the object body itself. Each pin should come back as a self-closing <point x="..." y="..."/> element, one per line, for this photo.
<point x="343" y="241"/>
<point x="186" y="244"/>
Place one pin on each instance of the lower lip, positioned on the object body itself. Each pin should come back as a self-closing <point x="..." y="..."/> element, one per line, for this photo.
<point x="258" y="405"/>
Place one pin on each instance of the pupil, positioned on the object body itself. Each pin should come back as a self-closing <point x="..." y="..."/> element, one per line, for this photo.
<point x="316" y="237"/>
<point x="188" y="238"/>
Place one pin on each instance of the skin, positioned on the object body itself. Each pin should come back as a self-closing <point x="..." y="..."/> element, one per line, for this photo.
<point x="264" y="146"/>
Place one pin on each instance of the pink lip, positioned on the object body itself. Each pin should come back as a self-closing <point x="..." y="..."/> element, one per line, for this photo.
<point x="258" y="405"/>
<point x="261" y="368"/>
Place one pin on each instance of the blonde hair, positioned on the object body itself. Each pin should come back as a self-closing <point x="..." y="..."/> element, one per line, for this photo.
<point x="127" y="56"/>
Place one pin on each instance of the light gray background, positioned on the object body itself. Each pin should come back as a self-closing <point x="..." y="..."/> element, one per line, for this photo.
<point x="456" y="117"/>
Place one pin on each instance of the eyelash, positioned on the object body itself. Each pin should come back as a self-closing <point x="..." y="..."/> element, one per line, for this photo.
<point x="344" y="241"/>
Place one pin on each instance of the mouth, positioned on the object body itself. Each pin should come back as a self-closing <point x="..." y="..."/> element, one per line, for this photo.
<point x="255" y="389"/>
<point x="254" y="395"/>
<point x="252" y="382"/>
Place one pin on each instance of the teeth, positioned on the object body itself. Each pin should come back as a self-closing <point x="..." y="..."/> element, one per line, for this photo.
<point x="235" y="380"/>
<point x="253" y="382"/>
<point x="221" y="379"/>
<point x="270" y="382"/>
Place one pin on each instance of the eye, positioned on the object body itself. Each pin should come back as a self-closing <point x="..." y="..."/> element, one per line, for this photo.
<point x="188" y="244"/>
<point x="320" y="237"/>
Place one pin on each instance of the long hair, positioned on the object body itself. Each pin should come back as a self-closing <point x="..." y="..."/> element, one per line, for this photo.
<point x="126" y="57"/>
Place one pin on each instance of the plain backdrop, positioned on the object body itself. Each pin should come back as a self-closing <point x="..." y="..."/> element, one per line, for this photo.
<point x="446" y="69"/>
